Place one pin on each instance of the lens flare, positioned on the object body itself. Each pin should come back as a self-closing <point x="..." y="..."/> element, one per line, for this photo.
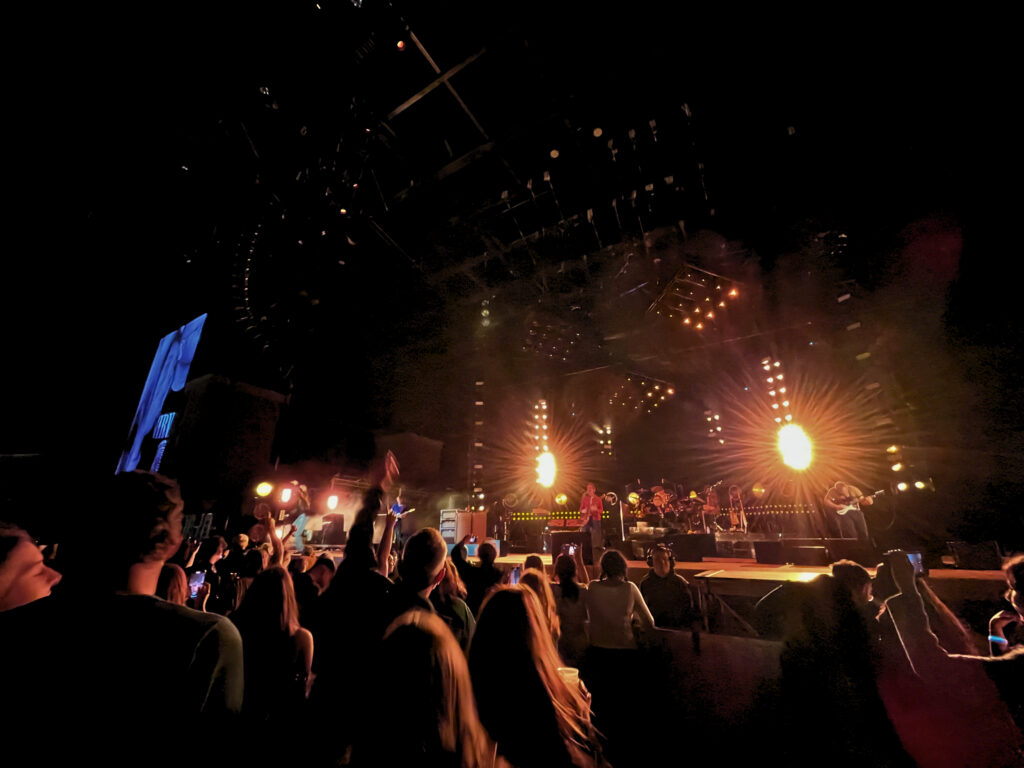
<point x="795" y="447"/>
<point x="546" y="469"/>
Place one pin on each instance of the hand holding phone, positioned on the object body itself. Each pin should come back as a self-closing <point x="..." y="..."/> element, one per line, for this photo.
<point x="195" y="581"/>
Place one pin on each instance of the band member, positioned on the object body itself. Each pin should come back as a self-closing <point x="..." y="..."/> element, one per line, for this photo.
<point x="843" y="502"/>
<point x="737" y="515"/>
<point x="591" y="508"/>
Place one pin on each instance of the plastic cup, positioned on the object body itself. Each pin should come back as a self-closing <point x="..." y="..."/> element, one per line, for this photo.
<point x="571" y="676"/>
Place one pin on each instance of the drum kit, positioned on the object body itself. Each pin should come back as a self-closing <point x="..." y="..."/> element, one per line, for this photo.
<point x="693" y="513"/>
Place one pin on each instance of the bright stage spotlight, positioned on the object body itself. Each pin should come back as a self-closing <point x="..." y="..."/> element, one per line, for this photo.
<point x="561" y="499"/>
<point x="795" y="447"/>
<point x="264" y="489"/>
<point x="546" y="469"/>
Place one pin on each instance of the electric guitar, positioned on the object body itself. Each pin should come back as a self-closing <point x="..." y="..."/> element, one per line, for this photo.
<point x="854" y="503"/>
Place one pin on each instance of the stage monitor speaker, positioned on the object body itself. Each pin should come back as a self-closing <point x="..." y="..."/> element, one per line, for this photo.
<point x="581" y="539"/>
<point x="806" y="555"/>
<point x="691" y="547"/>
<point x="769" y="552"/>
<point x="983" y="556"/>
<point x="851" y="549"/>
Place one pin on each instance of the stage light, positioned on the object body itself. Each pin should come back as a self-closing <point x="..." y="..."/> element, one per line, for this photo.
<point x="757" y="490"/>
<point x="670" y="391"/>
<point x="919" y="485"/>
<point x="634" y="498"/>
<point x="264" y="489"/>
<point x="332" y="501"/>
<point x="734" y="292"/>
<point x="901" y="486"/>
<point x="897" y="467"/>
<point x="892" y="449"/>
<point x="795" y="447"/>
<point x="546" y="469"/>
<point x="400" y="45"/>
<point x="561" y="498"/>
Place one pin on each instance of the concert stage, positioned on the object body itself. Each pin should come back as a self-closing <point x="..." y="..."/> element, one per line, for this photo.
<point x="729" y="588"/>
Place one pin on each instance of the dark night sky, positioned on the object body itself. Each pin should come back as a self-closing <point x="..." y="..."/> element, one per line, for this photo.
<point x="799" y="122"/>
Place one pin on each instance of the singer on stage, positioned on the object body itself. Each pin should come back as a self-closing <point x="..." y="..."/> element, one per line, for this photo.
<point x="591" y="508"/>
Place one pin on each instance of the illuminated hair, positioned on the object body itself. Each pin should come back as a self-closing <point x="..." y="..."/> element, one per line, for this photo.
<point x="140" y="506"/>
<point x="269" y="603"/>
<point x="452" y="584"/>
<point x="853" y="575"/>
<point x="613" y="564"/>
<point x="534" y="561"/>
<point x="511" y="634"/>
<point x="487" y="553"/>
<point x="565" y="572"/>
<point x="434" y="675"/>
<point x="10" y="536"/>
<point x="1013" y="569"/>
<point x="172" y="585"/>
<point x="422" y="558"/>
<point x="538" y="582"/>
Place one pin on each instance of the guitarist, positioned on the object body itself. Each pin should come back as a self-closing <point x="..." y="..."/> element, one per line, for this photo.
<point x="843" y="501"/>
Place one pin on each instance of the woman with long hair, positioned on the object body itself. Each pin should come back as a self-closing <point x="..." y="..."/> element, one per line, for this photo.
<point x="278" y="652"/>
<point x="172" y="585"/>
<point x="437" y="723"/>
<point x="538" y="582"/>
<point x="572" y="609"/>
<point x="449" y="600"/>
<point x="534" y="716"/>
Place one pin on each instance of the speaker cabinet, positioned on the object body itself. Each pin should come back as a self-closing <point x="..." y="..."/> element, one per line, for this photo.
<point x="691" y="547"/>
<point x="769" y="552"/>
<point x="983" y="556"/>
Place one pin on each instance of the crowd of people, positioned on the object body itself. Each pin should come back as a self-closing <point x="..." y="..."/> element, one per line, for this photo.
<point x="128" y="647"/>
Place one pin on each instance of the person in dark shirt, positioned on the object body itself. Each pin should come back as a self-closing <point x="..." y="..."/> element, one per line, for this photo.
<point x="421" y="569"/>
<point x="666" y="593"/>
<point x="138" y="661"/>
<point x="309" y="585"/>
<point x="479" y="579"/>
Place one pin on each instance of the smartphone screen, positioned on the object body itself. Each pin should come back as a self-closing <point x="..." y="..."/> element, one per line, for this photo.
<point x="514" y="576"/>
<point x="195" y="581"/>
<point x="572" y="549"/>
<point x="918" y="563"/>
